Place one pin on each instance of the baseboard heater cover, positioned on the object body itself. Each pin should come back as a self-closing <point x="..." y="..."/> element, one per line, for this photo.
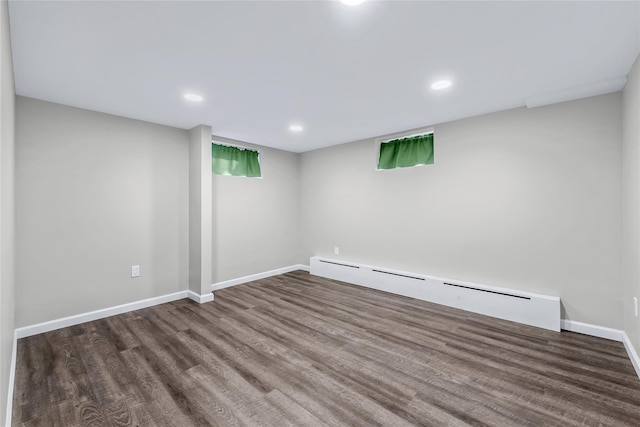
<point x="338" y="263"/>
<point x="528" y="308"/>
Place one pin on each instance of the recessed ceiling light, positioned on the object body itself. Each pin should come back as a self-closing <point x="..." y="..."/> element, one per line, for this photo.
<point x="352" y="2"/>
<point x="193" y="97"/>
<point x="441" y="84"/>
<point x="296" y="128"/>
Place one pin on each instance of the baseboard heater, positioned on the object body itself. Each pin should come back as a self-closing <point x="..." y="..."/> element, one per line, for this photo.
<point x="532" y="309"/>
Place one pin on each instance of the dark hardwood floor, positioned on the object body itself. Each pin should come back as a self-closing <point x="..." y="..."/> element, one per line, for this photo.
<point x="304" y="351"/>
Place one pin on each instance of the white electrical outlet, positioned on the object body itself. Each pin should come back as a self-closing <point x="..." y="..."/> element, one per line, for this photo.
<point x="635" y="306"/>
<point x="135" y="271"/>
<point x="336" y="250"/>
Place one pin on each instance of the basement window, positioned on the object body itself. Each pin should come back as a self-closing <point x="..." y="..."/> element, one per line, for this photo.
<point x="235" y="161"/>
<point x="408" y="151"/>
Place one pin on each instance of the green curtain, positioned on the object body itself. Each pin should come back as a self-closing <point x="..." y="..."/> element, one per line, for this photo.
<point x="406" y="152"/>
<point x="235" y="161"/>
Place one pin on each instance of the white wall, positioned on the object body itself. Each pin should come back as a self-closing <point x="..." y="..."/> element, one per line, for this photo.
<point x="7" y="163"/>
<point x="631" y="201"/>
<point x="96" y="194"/>
<point x="257" y="221"/>
<point x="524" y="199"/>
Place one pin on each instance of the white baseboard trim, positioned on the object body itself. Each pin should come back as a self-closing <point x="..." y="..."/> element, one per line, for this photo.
<point x="227" y="283"/>
<point x="200" y="298"/>
<point x="593" y="330"/>
<point x="12" y="378"/>
<point x="631" y="351"/>
<point x="52" y="325"/>
<point x="607" y="333"/>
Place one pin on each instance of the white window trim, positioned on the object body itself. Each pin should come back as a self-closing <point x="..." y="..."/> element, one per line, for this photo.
<point x="240" y="147"/>
<point x="407" y="134"/>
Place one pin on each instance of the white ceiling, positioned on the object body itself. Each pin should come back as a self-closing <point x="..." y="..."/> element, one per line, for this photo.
<point x="345" y="73"/>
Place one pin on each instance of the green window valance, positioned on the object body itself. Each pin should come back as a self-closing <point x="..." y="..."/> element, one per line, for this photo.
<point x="235" y="161"/>
<point x="406" y="152"/>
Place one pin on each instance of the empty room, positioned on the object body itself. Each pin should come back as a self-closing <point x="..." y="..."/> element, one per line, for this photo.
<point x="309" y="213"/>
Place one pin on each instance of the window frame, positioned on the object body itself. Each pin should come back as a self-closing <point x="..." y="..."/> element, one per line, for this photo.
<point x="390" y="137"/>
<point x="240" y="147"/>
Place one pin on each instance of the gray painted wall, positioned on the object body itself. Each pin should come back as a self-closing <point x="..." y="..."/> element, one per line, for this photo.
<point x="96" y="194"/>
<point x="527" y="199"/>
<point x="7" y="164"/>
<point x="257" y="221"/>
<point x="524" y="199"/>
<point x="631" y="201"/>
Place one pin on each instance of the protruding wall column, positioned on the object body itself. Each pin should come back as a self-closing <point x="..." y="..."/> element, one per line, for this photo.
<point x="200" y="214"/>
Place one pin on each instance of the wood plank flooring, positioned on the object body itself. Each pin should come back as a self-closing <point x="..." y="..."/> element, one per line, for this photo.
<point x="300" y="350"/>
